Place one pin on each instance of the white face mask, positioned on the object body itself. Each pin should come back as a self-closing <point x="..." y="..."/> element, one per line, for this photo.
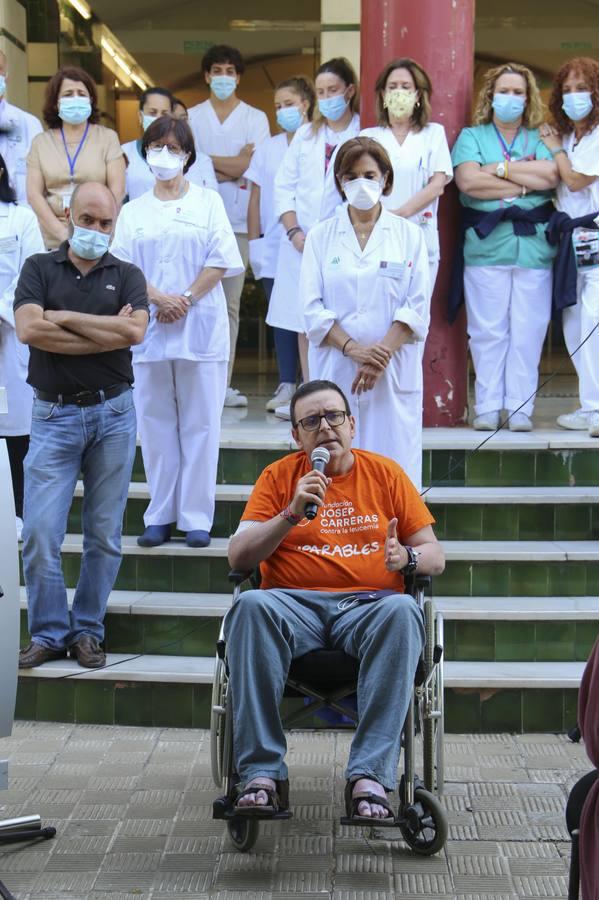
<point x="363" y="193"/>
<point x="163" y="164"/>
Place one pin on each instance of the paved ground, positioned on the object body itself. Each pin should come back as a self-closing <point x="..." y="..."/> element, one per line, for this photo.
<point x="132" y="807"/>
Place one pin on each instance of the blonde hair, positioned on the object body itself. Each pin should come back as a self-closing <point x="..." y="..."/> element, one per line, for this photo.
<point x="343" y="69"/>
<point x="534" y="110"/>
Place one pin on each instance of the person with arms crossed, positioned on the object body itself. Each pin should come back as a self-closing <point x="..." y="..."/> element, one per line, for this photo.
<point x="17" y="130"/>
<point x="335" y="580"/>
<point x="79" y="309"/>
<point x="229" y="130"/>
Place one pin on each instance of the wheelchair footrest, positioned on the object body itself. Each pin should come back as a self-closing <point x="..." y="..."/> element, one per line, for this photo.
<point x="373" y="823"/>
<point x="223" y="808"/>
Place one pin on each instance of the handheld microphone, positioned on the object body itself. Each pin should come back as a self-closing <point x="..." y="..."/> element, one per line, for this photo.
<point x="320" y="457"/>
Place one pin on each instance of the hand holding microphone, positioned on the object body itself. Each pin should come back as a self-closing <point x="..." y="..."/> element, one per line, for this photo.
<point x="310" y="489"/>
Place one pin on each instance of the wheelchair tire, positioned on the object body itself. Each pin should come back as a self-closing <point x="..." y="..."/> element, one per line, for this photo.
<point x="429" y="726"/>
<point x="430" y="834"/>
<point x="243" y="833"/>
<point x="218" y="722"/>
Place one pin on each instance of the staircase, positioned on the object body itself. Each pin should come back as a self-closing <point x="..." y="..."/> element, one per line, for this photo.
<point x="519" y="521"/>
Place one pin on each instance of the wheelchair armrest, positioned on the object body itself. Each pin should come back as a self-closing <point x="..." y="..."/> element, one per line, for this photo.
<point x="238" y="576"/>
<point x="417" y="582"/>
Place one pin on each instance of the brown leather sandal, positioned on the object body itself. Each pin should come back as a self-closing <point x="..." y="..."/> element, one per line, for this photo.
<point x="278" y="800"/>
<point x="352" y="802"/>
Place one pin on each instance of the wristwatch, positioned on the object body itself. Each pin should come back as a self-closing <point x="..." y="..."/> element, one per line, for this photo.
<point x="500" y="170"/>
<point x="189" y="296"/>
<point x="412" y="563"/>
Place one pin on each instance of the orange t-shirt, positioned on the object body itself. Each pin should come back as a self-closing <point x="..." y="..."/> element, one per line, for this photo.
<point x="343" y="548"/>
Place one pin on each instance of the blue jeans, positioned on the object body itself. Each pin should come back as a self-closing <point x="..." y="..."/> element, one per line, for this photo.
<point x="99" y="442"/>
<point x="265" y="630"/>
<point x="285" y="344"/>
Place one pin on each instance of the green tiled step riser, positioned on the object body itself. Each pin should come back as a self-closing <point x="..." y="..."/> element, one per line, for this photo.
<point x="480" y="579"/>
<point x="188" y="706"/>
<point x="457" y="522"/>
<point x="500" y="641"/>
<point x="528" y="468"/>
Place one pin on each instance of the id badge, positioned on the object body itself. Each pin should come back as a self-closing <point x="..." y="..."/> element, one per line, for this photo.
<point x="586" y="248"/>
<point x="392" y="269"/>
<point x="66" y="200"/>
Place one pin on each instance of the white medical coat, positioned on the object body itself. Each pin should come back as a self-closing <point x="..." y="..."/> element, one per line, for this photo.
<point x="414" y="163"/>
<point x="245" y="125"/>
<point x="20" y="237"/>
<point x="15" y="144"/>
<point x="302" y="185"/>
<point x="172" y="242"/>
<point x="139" y="178"/>
<point x="365" y="291"/>
<point x="264" y="251"/>
<point x="584" y="159"/>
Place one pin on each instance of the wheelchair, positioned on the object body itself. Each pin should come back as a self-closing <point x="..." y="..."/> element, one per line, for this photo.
<point x="326" y="679"/>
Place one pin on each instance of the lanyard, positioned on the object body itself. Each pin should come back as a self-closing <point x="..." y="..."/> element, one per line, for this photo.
<point x="77" y="152"/>
<point x="507" y="151"/>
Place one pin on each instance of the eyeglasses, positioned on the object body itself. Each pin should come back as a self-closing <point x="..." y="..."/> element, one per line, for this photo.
<point x="334" y="418"/>
<point x="175" y="149"/>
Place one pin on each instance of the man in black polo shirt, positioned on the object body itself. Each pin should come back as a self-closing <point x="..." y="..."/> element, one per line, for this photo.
<point x="79" y="309"/>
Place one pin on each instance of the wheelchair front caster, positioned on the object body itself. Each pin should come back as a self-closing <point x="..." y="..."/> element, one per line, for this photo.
<point x="424" y="825"/>
<point x="243" y="832"/>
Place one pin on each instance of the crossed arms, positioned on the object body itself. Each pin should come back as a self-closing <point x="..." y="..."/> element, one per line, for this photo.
<point x="77" y="334"/>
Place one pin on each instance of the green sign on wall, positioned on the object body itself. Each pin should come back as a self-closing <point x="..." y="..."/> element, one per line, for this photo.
<point x="198" y="47"/>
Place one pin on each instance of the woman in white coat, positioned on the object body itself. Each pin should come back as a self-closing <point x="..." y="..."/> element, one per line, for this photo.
<point x="20" y="237"/>
<point x="153" y="103"/>
<point x="417" y="149"/>
<point x="179" y="236"/>
<point x="366" y="298"/>
<point x="294" y="103"/>
<point x="305" y="191"/>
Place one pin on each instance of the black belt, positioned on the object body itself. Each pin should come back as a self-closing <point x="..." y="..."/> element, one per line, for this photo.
<point x="85" y="398"/>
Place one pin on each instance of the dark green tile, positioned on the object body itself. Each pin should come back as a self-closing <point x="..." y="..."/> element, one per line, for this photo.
<point x="483" y="467"/>
<point x="586" y="635"/>
<point x="456" y="580"/>
<point x="556" y="641"/>
<point x="155" y="573"/>
<point x="567" y="579"/>
<point x="529" y="579"/>
<point x="490" y="579"/>
<point x="172" y="705"/>
<point x="162" y="635"/>
<point x="221" y="524"/>
<point x="134" y="517"/>
<point x="592" y="569"/>
<point x="94" y="702"/>
<point x="191" y="574"/>
<point x="200" y="636"/>
<point x="219" y="571"/>
<point x="536" y="523"/>
<point x="238" y="466"/>
<point x="462" y="711"/>
<point x="500" y="523"/>
<point x="236" y="509"/>
<point x="201" y="705"/>
<point x="463" y="523"/>
<point x="594" y="535"/>
<point x="552" y="469"/>
<point x="502" y="711"/>
<point x="448" y="467"/>
<point x="124" y="633"/>
<point x="518" y="467"/>
<point x="514" y="641"/>
<point x="26" y="707"/>
<point x="74" y="525"/>
<point x="56" y="700"/>
<point x="474" y="640"/>
<point x="543" y="710"/>
<point x="133" y="703"/>
<point x="449" y="632"/>
<point x="71" y="564"/>
<point x="570" y="709"/>
<point x="585" y="470"/>
<point x="126" y="579"/>
<point x="437" y="510"/>
<point x="573" y="522"/>
<point x="426" y="467"/>
<point x="24" y="636"/>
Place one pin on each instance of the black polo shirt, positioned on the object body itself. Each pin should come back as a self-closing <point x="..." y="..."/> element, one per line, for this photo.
<point x="53" y="282"/>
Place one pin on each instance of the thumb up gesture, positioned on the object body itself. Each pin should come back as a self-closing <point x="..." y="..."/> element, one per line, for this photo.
<point x="395" y="554"/>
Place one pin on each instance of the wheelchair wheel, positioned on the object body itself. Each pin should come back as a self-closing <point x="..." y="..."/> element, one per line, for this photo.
<point x="432" y="705"/>
<point x="425" y="832"/>
<point x="218" y="722"/>
<point x="243" y="833"/>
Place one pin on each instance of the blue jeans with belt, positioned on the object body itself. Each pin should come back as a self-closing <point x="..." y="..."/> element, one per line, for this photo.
<point x="266" y="629"/>
<point x="98" y="442"/>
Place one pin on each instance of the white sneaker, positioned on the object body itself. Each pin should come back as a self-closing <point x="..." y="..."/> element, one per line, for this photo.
<point x="575" y="421"/>
<point x="519" y="421"/>
<point x="486" y="421"/>
<point x="234" y="398"/>
<point x="283" y="412"/>
<point x="594" y="424"/>
<point x="19" y="523"/>
<point x="283" y="394"/>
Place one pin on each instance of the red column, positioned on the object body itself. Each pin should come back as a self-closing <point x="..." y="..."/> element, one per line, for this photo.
<point x="439" y="34"/>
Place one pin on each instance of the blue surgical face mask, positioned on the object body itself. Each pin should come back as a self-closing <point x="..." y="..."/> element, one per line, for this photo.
<point x="577" y="105"/>
<point x="290" y="117"/>
<point x="508" y="107"/>
<point x="87" y="243"/>
<point x="147" y="121"/>
<point x="333" y="108"/>
<point x="2" y="85"/>
<point x="222" y="86"/>
<point x="74" y="110"/>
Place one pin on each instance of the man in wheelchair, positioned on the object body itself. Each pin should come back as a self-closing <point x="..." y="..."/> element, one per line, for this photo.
<point x="333" y="581"/>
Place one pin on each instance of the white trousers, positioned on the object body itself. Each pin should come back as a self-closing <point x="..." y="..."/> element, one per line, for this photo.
<point x="577" y="322"/>
<point x="233" y="288"/>
<point x="508" y="310"/>
<point x="179" y="405"/>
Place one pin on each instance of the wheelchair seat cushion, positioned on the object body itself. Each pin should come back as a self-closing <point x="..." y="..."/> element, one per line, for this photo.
<point x="332" y="668"/>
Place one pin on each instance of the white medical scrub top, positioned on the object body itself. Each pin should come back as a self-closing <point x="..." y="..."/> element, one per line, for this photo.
<point x="17" y="130"/>
<point x="243" y="126"/>
<point x="264" y="251"/>
<point x="585" y="160"/>
<point x="139" y="178"/>
<point x="414" y="163"/>
<point x="20" y="237"/>
<point x="172" y="242"/>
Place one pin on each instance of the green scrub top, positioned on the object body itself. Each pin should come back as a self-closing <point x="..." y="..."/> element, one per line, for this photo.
<point x="502" y="247"/>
